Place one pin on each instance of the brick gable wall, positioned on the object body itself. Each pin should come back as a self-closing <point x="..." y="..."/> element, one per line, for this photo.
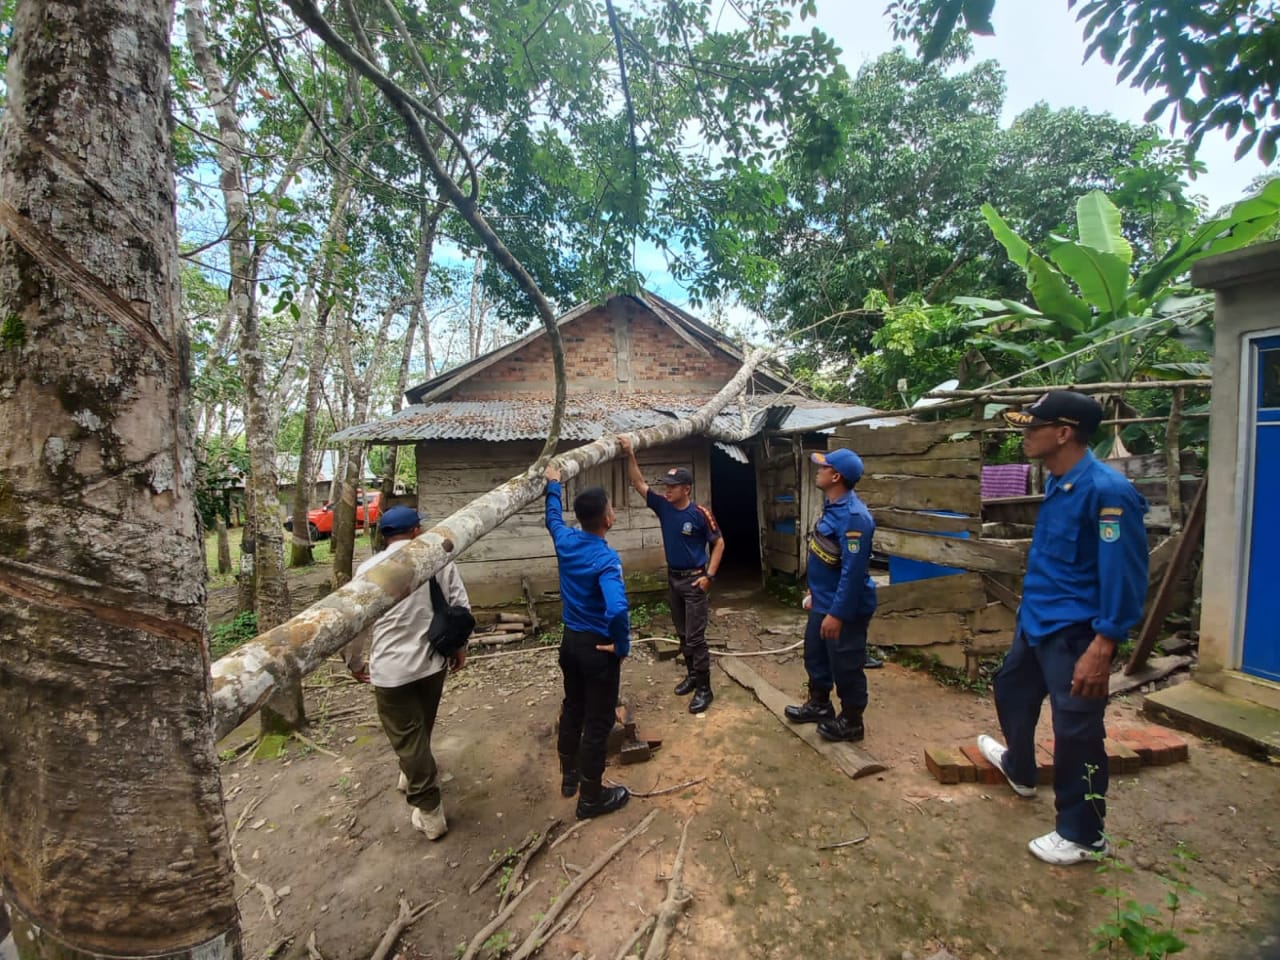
<point x="659" y="360"/>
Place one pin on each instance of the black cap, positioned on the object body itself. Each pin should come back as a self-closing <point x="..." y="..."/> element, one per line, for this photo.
<point x="677" y="475"/>
<point x="1059" y="406"/>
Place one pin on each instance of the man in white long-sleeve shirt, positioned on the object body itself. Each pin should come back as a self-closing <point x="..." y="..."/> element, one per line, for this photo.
<point x="408" y="674"/>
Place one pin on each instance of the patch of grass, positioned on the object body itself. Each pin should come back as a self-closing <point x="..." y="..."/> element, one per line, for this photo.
<point x="321" y="551"/>
<point x="789" y="592"/>
<point x="225" y="637"/>
<point x="498" y="944"/>
<point x="643" y="614"/>
<point x="947" y="676"/>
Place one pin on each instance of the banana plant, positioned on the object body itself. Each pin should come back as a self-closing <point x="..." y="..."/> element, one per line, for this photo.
<point x="1092" y="317"/>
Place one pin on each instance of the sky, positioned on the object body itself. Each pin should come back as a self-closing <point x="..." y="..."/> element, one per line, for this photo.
<point x="1039" y="44"/>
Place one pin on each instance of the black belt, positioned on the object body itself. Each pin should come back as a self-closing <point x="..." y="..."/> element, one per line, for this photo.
<point x="685" y="573"/>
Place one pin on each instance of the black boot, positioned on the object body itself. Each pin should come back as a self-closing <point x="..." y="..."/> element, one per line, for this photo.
<point x="568" y="776"/>
<point x="847" y="727"/>
<point x="817" y="707"/>
<point x="702" y="696"/>
<point x="687" y="685"/>
<point x="597" y="800"/>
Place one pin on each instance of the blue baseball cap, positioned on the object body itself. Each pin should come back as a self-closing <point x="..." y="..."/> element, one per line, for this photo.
<point x="399" y="520"/>
<point x="844" y="462"/>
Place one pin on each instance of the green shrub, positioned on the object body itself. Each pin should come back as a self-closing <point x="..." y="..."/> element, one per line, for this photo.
<point x="225" y="637"/>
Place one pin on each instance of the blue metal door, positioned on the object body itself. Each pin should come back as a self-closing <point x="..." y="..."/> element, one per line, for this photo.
<point x="1261" y="656"/>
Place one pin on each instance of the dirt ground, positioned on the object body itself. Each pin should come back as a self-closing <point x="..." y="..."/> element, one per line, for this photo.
<point x="944" y="866"/>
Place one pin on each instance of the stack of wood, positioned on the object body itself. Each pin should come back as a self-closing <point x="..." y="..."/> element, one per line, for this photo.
<point x="506" y="628"/>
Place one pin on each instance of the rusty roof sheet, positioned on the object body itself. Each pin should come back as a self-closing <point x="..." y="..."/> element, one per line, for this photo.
<point x="589" y="417"/>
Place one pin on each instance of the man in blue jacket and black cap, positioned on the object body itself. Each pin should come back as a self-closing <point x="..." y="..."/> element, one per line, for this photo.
<point x="1083" y="592"/>
<point x="840" y="601"/>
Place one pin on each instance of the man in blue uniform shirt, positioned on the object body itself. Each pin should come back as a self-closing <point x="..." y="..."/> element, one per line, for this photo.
<point x="688" y="529"/>
<point x="840" y="601"/>
<point x="597" y="636"/>
<point x="1083" y="591"/>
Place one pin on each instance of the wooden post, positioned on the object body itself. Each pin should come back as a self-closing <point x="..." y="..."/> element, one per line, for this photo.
<point x="1189" y="540"/>
<point x="1173" y="460"/>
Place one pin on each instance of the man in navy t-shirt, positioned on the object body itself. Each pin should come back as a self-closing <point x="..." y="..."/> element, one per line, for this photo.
<point x="688" y="529"/>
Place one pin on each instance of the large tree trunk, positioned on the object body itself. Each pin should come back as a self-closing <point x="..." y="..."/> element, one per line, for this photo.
<point x="112" y="840"/>
<point x="245" y="678"/>
<point x="300" y="555"/>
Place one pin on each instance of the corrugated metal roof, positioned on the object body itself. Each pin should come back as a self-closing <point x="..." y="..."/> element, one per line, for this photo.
<point x="590" y="416"/>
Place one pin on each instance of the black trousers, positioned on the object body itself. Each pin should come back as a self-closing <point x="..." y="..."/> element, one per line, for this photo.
<point x="689" y="608"/>
<point x="587" y="713"/>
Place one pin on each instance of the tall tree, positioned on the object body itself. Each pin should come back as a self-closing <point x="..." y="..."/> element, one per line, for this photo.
<point x="885" y="180"/>
<point x="1214" y="60"/>
<point x="113" y="840"/>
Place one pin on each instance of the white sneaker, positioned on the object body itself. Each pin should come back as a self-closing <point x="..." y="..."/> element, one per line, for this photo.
<point x="403" y="783"/>
<point x="994" y="751"/>
<point x="430" y="822"/>
<point x="1058" y="850"/>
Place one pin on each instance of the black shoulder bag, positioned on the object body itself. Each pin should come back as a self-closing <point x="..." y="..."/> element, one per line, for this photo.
<point x="451" y="626"/>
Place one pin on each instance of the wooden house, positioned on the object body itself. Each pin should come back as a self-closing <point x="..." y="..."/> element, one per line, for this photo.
<point x="632" y="361"/>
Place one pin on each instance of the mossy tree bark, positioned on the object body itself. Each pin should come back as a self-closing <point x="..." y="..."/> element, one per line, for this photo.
<point x="113" y="840"/>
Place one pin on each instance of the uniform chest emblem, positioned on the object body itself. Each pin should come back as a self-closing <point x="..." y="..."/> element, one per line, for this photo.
<point x="687" y="529"/>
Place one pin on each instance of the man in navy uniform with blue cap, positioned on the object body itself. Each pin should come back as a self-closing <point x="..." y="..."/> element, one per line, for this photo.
<point x="1083" y="592"/>
<point x="840" y="601"/>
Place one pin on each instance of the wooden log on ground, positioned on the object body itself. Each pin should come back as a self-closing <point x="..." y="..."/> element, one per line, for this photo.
<point x="852" y="760"/>
<point x="1157" y="668"/>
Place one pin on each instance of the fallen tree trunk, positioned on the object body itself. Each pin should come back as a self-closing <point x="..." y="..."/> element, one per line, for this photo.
<point x="244" y="680"/>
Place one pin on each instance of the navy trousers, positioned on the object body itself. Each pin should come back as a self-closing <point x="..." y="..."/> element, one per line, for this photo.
<point x="1026" y="677"/>
<point x="838" y="663"/>
<point x="591" y="679"/>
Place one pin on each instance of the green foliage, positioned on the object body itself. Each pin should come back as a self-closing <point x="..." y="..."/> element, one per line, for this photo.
<point x="886" y="175"/>
<point x="225" y="637"/>
<point x="1139" y="929"/>
<point x="498" y="944"/>
<point x="13" y="332"/>
<point x="1214" y="61"/>
<point x="1092" y="317"/>
<point x="642" y="614"/>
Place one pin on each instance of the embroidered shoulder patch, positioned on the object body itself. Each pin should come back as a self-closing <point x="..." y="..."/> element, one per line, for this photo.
<point x="1110" y="512"/>
<point x="854" y="540"/>
<point x="1109" y="529"/>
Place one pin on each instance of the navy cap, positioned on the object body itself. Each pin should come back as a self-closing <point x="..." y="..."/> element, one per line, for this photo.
<point x="677" y="475"/>
<point x="844" y="462"/>
<point x="1062" y="407"/>
<point x="399" y="520"/>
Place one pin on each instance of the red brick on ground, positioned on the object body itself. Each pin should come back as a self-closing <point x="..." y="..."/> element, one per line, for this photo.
<point x="1173" y="747"/>
<point x="1044" y="763"/>
<point x="986" y="771"/>
<point x="1137" y="741"/>
<point x="1120" y="758"/>
<point x="949" y="765"/>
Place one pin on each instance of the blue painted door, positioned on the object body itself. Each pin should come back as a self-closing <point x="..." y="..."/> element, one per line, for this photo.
<point x="1261" y="655"/>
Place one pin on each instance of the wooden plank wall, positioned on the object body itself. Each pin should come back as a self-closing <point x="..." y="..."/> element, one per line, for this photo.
<point x="453" y="473"/>
<point x="780" y="505"/>
<point x="915" y="469"/>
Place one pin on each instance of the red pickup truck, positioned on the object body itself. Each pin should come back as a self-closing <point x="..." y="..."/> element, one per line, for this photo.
<point x="320" y="520"/>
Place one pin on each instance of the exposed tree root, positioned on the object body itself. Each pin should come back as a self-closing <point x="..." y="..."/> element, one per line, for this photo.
<point x="404" y="920"/>
<point x="669" y="911"/>
<point x="517" y="872"/>
<point x="494" y="925"/>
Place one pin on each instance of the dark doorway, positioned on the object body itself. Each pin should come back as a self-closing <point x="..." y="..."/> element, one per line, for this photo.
<point x="733" y="500"/>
